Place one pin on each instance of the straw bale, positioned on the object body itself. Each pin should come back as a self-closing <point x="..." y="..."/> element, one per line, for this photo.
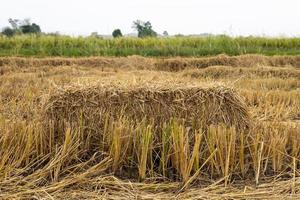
<point x="195" y="105"/>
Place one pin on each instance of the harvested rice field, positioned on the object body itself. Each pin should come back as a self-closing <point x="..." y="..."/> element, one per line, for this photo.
<point x="223" y="127"/>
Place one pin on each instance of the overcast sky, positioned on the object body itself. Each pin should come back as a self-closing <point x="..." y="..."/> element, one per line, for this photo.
<point x="235" y="17"/>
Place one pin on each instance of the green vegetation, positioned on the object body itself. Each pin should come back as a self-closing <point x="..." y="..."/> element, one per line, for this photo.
<point x="144" y="29"/>
<point x="9" y="32"/>
<point x="43" y="45"/>
<point x="117" y="33"/>
<point x="21" y="27"/>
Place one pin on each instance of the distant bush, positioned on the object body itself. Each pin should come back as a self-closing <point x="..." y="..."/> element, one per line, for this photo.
<point x="9" y="32"/>
<point x="117" y="33"/>
<point x="30" y="28"/>
<point x="165" y="33"/>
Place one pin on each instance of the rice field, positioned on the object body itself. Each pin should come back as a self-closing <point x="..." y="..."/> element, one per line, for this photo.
<point x="67" y="46"/>
<point x="223" y="127"/>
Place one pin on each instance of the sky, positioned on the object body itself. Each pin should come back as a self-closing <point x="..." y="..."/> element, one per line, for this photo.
<point x="232" y="17"/>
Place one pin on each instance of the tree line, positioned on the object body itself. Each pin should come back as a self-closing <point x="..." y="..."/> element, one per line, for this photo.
<point x="21" y="27"/>
<point x="18" y="27"/>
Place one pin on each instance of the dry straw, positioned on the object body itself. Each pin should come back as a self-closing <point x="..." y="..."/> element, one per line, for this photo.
<point x="195" y="105"/>
<point x="168" y="64"/>
<point x="146" y="128"/>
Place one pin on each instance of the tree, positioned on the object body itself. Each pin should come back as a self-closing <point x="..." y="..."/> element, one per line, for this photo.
<point x="15" y="23"/>
<point x="165" y="33"/>
<point x="117" y="33"/>
<point x="144" y="29"/>
<point x="9" y="32"/>
<point x="23" y="26"/>
<point x="30" y="28"/>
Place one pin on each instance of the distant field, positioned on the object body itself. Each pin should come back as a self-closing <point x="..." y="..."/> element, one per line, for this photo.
<point x="149" y="128"/>
<point x="41" y="46"/>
